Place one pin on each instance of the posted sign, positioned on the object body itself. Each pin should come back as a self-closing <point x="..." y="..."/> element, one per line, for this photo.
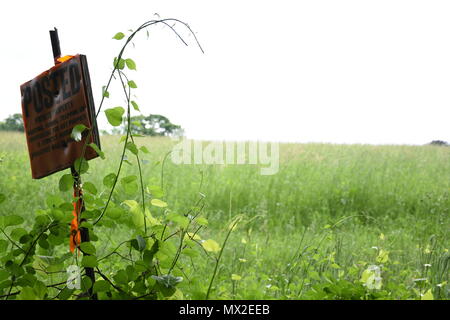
<point x="52" y="104"/>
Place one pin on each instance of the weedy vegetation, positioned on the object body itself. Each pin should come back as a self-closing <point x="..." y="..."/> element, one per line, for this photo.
<point x="336" y="221"/>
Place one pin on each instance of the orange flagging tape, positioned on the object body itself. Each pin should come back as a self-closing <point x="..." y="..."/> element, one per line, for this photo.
<point x="65" y="58"/>
<point x="75" y="235"/>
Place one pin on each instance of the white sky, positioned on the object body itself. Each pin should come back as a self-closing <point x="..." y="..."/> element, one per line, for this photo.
<point x="308" y="71"/>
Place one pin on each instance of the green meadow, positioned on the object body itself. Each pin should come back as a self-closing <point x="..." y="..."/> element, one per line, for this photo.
<point x="335" y="222"/>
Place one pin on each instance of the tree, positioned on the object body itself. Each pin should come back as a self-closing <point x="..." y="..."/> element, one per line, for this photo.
<point x="153" y="125"/>
<point x="439" y="143"/>
<point x="13" y="123"/>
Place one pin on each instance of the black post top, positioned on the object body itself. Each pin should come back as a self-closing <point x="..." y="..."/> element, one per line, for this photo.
<point x="55" y="44"/>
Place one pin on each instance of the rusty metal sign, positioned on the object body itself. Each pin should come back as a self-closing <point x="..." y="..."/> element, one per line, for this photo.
<point x="52" y="104"/>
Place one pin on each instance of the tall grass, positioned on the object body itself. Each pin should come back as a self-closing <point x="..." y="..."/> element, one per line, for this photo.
<point x="402" y="192"/>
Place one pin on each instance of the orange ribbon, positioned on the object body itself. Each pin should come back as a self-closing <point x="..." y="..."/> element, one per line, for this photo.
<point x="75" y="235"/>
<point x="63" y="59"/>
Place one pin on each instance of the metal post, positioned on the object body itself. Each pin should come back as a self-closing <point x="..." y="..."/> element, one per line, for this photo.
<point x="84" y="232"/>
<point x="55" y="44"/>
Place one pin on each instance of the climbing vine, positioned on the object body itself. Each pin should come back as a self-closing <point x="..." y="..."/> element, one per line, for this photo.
<point x="40" y="264"/>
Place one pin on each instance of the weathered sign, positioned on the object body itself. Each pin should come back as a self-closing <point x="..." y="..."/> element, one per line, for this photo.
<point x="52" y="104"/>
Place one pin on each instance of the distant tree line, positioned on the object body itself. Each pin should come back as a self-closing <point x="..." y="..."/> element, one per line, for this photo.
<point x="152" y="125"/>
<point x="439" y="143"/>
<point x="12" y="123"/>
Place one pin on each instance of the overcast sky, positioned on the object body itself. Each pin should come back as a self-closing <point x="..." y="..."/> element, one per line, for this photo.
<point x="309" y="71"/>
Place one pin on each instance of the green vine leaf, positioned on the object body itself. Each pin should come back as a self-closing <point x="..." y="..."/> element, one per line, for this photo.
<point x="66" y="182"/>
<point x="27" y="293"/>
<point x="158" y="203"/>
<point x="87" y="247"/>
<point x="105" y="93"/>
<point x="89" y="261"/>
<point x="77" y="132"/>
<point x="202" y="221"/>
<point x="114" y="213"/>
<point x="190" y="252"/>
<point x="130" y="64"/>
<point x="101" y="286"/>
<point x="132" y="84"/>
<point x="136" y="213"/>
<point x="65" y="294"/>
<point x="109" y="180"/>
<point x="211" y="245"/>
<point x="11" y="220"/>
<point x="86" y="283"/>
<point x="155" y="191"/>
<point x="119" y="36"/>
<point x="141" y="243"/>
<point x="383" y="256"/>
<point x="132" y="147"/>
<point x="90" y="187"/>
<point x="121" y="277"/>
<point x="120" y="65"/>
<point x="81" y="165"/>
<point x="427" y="295"/>
<point x="128" y="179"/>
<point x="144" y="149"/>
<point x="114" y="116"/>
<point x="18" y="233"/>
<point x="181" y="220"/>
<point x="135" y="105"/>
<point x="97" y="149"/>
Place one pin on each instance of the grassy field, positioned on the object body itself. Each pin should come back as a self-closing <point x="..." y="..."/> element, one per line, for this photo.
<point x="332" y="216"/>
